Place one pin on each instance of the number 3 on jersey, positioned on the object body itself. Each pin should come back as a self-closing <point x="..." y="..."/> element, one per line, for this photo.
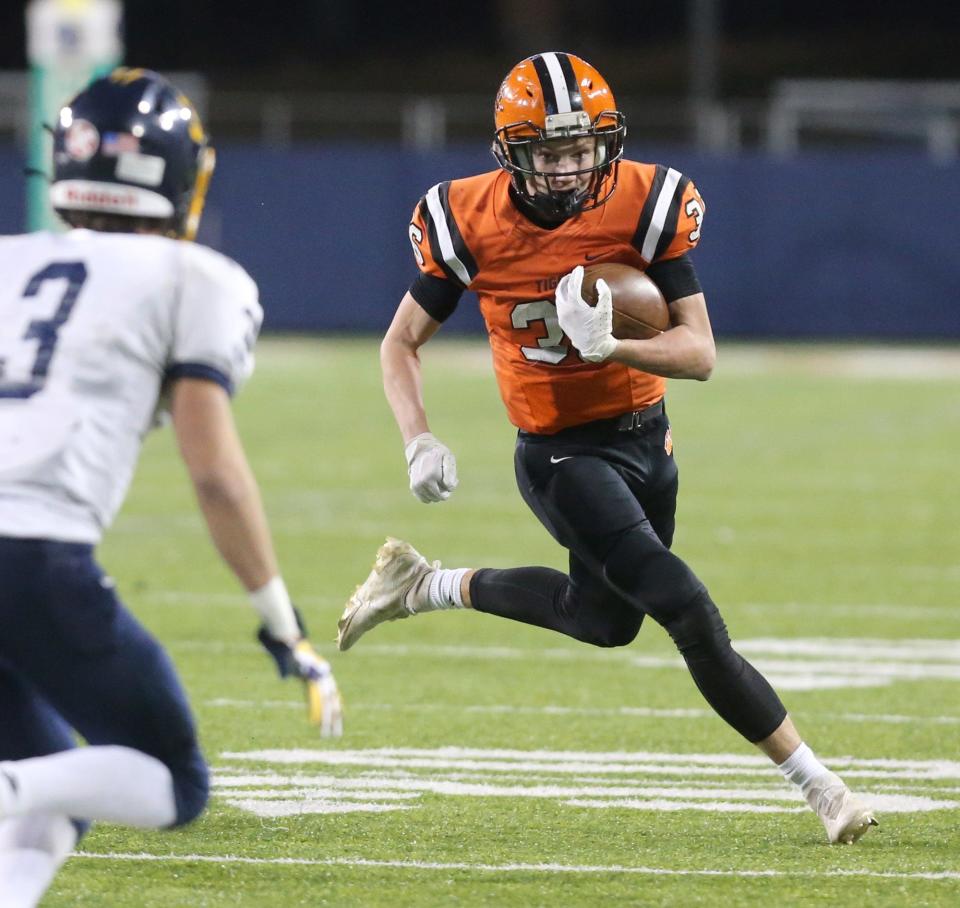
<point x="549" y="349"/>
<point x="45" y="331"/>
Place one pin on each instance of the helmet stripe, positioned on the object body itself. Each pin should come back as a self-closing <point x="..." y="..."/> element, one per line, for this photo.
<point x="546" y="85"/>
<point x="557" y="83"/>
<point x="570" y="78"/>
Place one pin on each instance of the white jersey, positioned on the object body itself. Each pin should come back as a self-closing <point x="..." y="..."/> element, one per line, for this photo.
<point x="92" y="325"/>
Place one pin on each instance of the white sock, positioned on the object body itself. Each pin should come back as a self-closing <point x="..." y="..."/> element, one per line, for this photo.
<point x="32" y="848"/>
<point x="444" y="590"/>
<point x="25" y="874"/>
<point x="116" y="784"/>
<point x="802" y="767"/>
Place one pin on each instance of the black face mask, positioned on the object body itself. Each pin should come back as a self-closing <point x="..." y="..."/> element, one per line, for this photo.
<point x="549" y="209"/>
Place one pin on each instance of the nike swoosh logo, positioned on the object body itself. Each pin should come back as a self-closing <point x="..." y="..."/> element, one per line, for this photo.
<point x="560" y="459"/>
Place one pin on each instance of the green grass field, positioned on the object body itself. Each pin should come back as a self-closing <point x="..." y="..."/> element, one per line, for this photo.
<point x="488" y="763"/>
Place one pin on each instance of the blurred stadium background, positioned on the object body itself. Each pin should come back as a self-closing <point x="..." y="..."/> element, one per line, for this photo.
<point x="824" y="136"/>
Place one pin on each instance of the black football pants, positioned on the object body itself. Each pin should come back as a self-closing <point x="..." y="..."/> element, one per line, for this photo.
<point x="607" y="491"/>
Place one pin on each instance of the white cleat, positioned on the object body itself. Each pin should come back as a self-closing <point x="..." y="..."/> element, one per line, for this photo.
<point x="390" y="592"/>
<point x="844" y="817"/>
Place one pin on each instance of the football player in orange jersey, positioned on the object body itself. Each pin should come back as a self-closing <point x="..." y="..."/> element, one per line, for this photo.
<point x="594" y="455"/>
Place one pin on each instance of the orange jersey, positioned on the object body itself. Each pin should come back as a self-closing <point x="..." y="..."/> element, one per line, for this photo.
<point x="471" y="233"/>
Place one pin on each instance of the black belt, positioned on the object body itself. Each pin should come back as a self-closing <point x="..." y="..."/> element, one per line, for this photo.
<point x="625" y="422"/>
<point x="638" y="418"/>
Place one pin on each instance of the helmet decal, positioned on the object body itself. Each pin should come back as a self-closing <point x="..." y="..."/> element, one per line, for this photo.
<point x="81" y="140"/>
<point x="126" y="75"/>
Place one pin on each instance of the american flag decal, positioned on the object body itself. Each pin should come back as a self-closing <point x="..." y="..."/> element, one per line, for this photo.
<point x="118" y="143"/>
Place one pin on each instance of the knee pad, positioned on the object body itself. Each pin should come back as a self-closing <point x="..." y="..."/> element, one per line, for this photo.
<point x="699" y="631"/>
<point x="740" y="695"/>
<point x="191" y="789"/>
<point x="643" y="570"/>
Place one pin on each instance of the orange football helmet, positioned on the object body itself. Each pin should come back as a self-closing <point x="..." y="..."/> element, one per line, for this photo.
<point x="557" y="96"/>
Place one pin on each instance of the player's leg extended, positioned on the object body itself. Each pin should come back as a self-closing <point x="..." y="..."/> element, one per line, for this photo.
<point x="640" y="566"/>
<point x="32" y="847"/>
<point x="584" y="605"/>
<point x="110" y="680"/>
<point x="594" y="505"/>
<point x="580" y="604"/>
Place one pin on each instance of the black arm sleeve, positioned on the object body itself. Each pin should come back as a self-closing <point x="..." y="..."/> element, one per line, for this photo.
<point x="675" y="278"/>
<point x="436" y="296"/>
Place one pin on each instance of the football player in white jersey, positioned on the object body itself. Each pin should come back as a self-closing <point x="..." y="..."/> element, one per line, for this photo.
<point x="102" y="329"/>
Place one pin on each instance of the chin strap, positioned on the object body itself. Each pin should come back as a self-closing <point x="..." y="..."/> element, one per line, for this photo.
<point x="559" y="206"/>
<point x="542" y="209"/>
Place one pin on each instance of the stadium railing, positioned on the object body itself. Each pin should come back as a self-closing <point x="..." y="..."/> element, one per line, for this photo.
<point x="800" y="114"/>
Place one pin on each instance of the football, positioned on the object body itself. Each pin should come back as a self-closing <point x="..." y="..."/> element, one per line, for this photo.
<point x="639" y="309"/>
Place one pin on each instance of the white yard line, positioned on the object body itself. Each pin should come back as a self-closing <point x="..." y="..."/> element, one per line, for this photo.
<point x="515" y="867"/>
<point x="593" y="763"/>
<point x="863" y="609"/>
<point x="332" y="790"/>
<point x="219" y="599"/>
<point x="812" y="663"/>
<point x="637" y="712"/>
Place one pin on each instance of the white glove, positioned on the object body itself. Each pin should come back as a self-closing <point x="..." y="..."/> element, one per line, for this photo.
<point x="432" y="468"/>
<point x="589" y="327"/>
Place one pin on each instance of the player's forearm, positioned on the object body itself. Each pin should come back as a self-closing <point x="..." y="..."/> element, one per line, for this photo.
<point x="225" y="486"/>
<point x="678" y="353"/>
<point x="233" y="510"/>
<point x="403" y="387"/>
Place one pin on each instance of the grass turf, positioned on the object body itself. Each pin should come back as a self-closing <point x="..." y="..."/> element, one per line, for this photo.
<point x="817" y="502"/>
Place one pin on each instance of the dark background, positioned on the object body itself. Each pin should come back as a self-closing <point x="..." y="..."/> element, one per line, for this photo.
<point x="442" y="46"/>
<point x="845" y="236"/>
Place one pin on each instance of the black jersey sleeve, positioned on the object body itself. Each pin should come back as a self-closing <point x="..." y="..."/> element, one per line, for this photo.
<point x="437" y="297"/>
<point x="676" y="278"/>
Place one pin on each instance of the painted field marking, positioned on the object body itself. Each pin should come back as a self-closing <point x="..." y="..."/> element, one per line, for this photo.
<point x="174" y="598"/>
<point x="600" y="761"/>
<point x="220" y="598"/>
<point x="829" y="663"/>
<point x="789" y="664"/>
<point x="385" y="779"/>
<point x="639" y="712"/>
<point x="515" y="868"/>
<point x="847" y="657"/>
<point x="859" y="610"/>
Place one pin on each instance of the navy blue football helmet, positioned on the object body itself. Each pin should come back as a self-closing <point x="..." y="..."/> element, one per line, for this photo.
<point x="131" y="144"/>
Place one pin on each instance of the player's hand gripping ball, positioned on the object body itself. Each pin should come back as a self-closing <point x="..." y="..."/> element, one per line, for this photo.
<point x="639" y="309"/>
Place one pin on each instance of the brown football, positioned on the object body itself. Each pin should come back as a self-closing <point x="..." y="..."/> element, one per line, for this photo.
<point x="639" y="309"/>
